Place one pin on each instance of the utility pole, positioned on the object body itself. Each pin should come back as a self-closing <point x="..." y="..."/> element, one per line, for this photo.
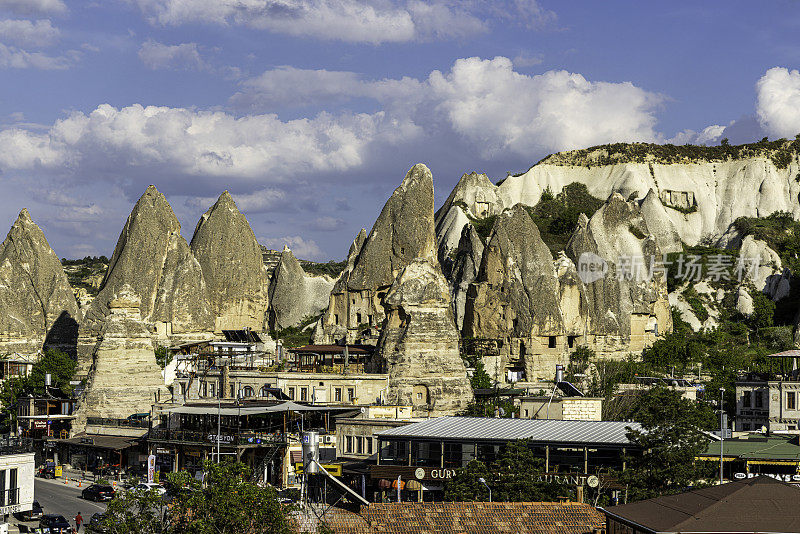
<point x="219" y="422"/>
<point x="721" y="430"/>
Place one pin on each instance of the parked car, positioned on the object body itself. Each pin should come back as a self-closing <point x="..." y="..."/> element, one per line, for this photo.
<point x="98" y="492"/>
<point x="55" y="524"/>
<point x="34" y="514"/>
<point x="95" y="524"/>
<point x="147" y="486"/>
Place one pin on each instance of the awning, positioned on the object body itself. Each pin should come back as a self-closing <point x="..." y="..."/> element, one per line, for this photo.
<point x="99" y="441"/>
<point x="288" y="406"/>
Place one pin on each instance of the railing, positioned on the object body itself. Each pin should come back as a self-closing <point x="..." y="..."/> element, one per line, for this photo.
<point x="13" y="445"/>
<point x="105" y="421"/>
<point x="191" y="436"/>
<point x="9" y="497"/>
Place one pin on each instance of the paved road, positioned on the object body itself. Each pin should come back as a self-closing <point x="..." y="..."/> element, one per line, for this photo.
<point x="59" y="498"/>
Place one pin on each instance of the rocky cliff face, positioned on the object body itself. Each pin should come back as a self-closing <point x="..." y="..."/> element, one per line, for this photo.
<point x="37" y="305"/>
<point x="403" y="231"/>
<point x="537" y="310"/>
<point x="419" y="345"/>
<point x="293" y="294"/>
<point x="154" y="260"/>
<point x="701" y="199"/>
<point x="123" y="377"/>
<point x="231" y="261"/>
<point x="464" y="269"/>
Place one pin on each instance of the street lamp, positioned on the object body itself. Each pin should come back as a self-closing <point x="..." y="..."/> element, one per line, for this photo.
<point x="721" y="429"/>
<point x="483" y="481"/>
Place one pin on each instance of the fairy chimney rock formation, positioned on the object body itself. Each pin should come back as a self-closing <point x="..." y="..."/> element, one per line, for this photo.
<point x="155" y="263"/>
<point x="403" y="232"/>
<point x="231" y="261"/>
<point x="37" y="304"/>
<point x="419" y="345"/>
<point x="124" y="377"/>
<point x="293" y="294"/>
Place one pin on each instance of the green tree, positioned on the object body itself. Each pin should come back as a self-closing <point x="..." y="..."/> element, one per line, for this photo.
<point x="480" y="378"/>
<point x="225" y="502"/>
<point x="512" y="477"/>
<point x="671" y="437"/>
<point x="763" y="311"/>
<point x="465" y="485"/>
<point x="59" y="365"/>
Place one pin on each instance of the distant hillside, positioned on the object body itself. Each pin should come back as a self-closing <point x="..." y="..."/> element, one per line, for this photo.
<point x="330" y="268"/>
<point x="779" y="151"/>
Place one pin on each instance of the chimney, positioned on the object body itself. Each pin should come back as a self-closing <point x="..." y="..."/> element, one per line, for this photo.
<point x="559" y="373"/>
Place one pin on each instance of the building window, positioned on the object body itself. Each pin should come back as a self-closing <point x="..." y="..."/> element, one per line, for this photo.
<point x="265" y="390"/>
<point x="551" y="342"/>
<point x="348" y="444"/>
<point x="212" y="387"/>
<point x="759" y="400"/>
<point x="746" y="399"/>
<point x="420" y="395"/>
<point x="247" y="392"/>
<point x="13" y="489"/>
<point x="290" y="393"/>
<point x="571" y="341"/>
<point x="359" y="445"/>
<point x="205" y="389"/>
<point x="526" y="414"/>
<point x="335" y="318"/>
<point x="746" y="427"/>
<point x="337" y="394"/>
<point x="790" y="401"/>
<point x="351" y="394"/>
<point x="303" y="394"/>
<point x="369" y="445"/>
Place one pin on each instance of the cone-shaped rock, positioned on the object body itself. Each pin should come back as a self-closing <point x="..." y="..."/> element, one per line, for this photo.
<point x="125" y="378"/>
<point x="231" y="260"/>
<point x="403" y="232"/>
<point x="155" y="262"/>
<point x="465" y="269"/>
<point x="293" y="294"/>
<point x="419" y="345"/>
<point x="36" y="300"/>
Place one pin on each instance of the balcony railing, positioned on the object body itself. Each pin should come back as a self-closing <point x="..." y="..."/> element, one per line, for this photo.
<point x="105" y="421"/>
<point x="210" y="437"/>
<point x="9" y="497"/>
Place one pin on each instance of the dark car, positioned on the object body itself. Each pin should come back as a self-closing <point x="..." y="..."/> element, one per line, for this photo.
<point x="96" y="526"/>
<point x="54" y="524"/>
<point x="98" y="492"/>
<point x="34" y="513"/>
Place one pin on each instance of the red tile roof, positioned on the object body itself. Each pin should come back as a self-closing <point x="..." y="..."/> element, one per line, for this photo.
<point x="468" y="518"/>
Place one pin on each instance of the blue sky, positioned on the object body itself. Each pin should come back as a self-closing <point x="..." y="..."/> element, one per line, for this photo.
<point x="311" y="111"/>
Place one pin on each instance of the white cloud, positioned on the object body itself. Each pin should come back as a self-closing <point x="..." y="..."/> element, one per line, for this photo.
<point x="497" y="110"/>
<point x="709" y="135"/>
<point x="778" y="102"/>
<point x="196" y="143"/>
<point x="327" y="224"/>
<point x="156" y="55"/>
<point x="526" y="59"/>
<point x="27" y="33"/>
<point x="306" y="249"/>
<point x="356" y="21"/>
<point x="33" y="7"/>
<point x="12" y="57"/>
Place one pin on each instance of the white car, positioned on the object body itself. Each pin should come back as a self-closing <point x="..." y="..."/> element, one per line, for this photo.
<point x="147" y="486"/>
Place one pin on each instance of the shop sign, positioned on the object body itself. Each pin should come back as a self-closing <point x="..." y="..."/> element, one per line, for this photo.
<point x="570" y="479"/>
<point x="391" y="472"/>
<point x="151" y="468"/>
<point x="160" y="450"/>
<point x="433" y="473"/>
<point x="59" y="470"/>
<point x="39" y="425"/>
<point x="784" y="478"/>
<point x="223" y="438"/>
<point x="10" y="509"/>
<point x="333" y="469"/>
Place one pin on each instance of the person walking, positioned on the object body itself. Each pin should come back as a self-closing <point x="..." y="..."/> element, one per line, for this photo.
<point x="78" y="521"/>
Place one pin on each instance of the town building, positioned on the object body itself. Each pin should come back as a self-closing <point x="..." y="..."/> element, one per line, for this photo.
<point x="430" y="451"/>
<point x="16" y="477"/>
<point x="776" y="455"/>
<point x="760" y="504"/>
<point x="561" y="408"/>
<point x="770" y="400"/>
<point x="466" y="518"/>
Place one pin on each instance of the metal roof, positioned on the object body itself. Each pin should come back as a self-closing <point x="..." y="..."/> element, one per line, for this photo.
<point x="244" y="409"/>
<point x="493" y="429"/>
<point x="794" y="353"/>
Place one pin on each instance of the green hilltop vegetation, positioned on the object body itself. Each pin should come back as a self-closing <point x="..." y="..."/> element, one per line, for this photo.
<point x="780" y="151"/>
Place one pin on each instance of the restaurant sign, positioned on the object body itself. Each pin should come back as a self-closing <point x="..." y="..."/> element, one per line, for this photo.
<point x="570" y="479"/>
<point x="795" y="479"/>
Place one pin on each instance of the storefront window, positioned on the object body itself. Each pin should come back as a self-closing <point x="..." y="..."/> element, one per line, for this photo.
<point x="394" y="453"/>
<point x="426" y="453"/>
<point x="458" y="454"/>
